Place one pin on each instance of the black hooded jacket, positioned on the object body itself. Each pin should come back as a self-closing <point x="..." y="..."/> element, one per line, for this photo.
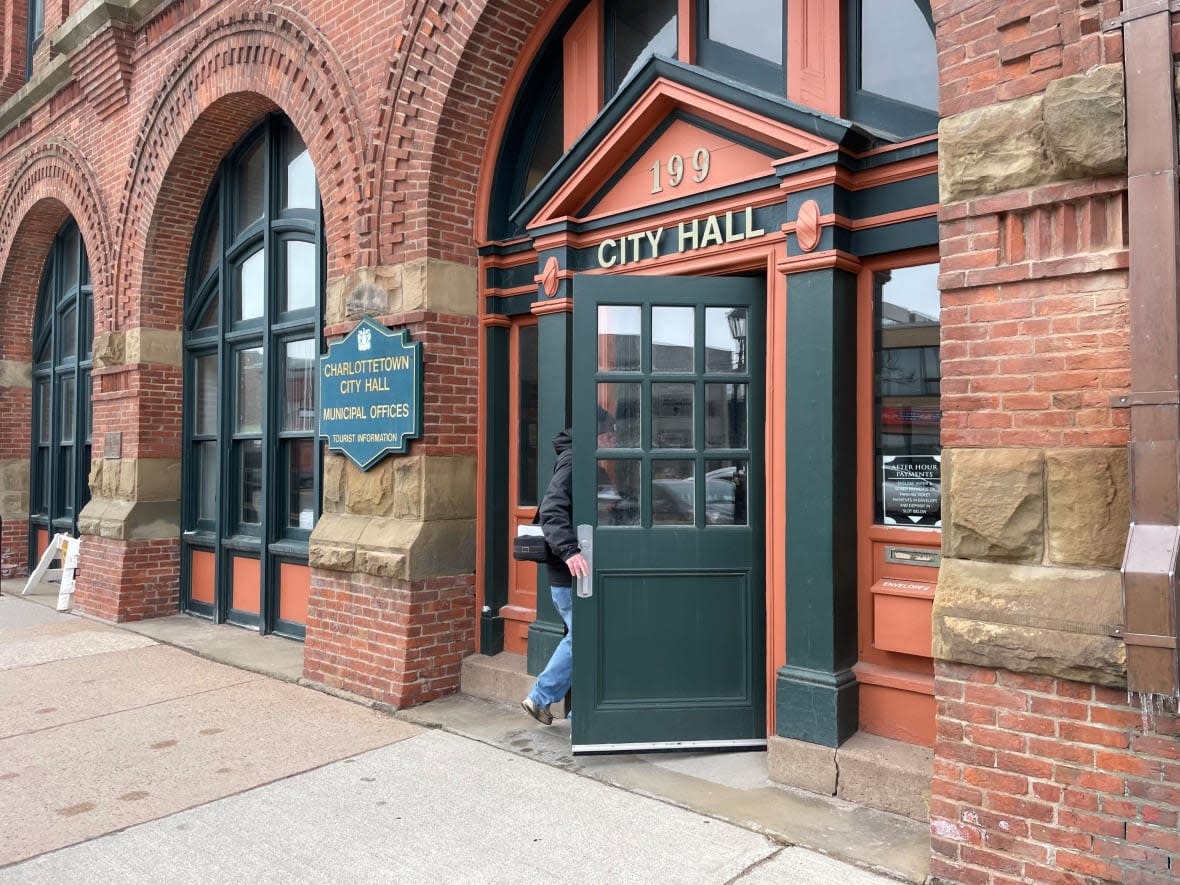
<point x="557" y="512"/>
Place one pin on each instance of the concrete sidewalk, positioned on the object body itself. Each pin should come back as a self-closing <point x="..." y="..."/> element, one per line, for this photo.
<point x="126" y="760"/>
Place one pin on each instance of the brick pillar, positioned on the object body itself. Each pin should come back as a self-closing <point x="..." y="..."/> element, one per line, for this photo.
<point x="130" y="529"/>
<point x="392" y="608"/>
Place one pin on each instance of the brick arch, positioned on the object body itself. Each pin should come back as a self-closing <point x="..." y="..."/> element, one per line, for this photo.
<point x="53" y="183"/>
<point x="236" y="68"/>
<point x="443" y="90"/>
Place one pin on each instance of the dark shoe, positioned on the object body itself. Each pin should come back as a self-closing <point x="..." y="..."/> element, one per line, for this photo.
<point x="541" y="714"/>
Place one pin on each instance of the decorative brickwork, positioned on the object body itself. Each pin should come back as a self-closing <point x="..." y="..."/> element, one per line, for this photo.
<point x="398" y="642"/>
<point x="104" y="66"/>
<point x="443" y="93"/>
<point x="1046" y="780"/>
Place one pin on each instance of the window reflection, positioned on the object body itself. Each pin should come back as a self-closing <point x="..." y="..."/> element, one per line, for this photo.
<point x="638" y="31"/>
<point x="299" y="375"/>
<point x="618" y="492"/>
<point x="673" y="493"/>
<point x="618" y="338"/>
<point x="897" y="54"/>
<point x="729" y="23"/>
<point x="725" y="492"/>
<point x="906" y="396"/>
<point x="527" y="423"/>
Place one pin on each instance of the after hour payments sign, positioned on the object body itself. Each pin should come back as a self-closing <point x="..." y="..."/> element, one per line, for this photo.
<point x="371" y="393"/>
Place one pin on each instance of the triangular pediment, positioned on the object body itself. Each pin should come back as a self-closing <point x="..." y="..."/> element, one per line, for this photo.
<point x="722" y="133"/>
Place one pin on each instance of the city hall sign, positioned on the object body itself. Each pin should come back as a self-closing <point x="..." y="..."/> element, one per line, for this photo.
<point x="687" y="236"/>
<point x="371" y="393"/>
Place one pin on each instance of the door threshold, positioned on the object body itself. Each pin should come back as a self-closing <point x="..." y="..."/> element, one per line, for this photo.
<point x="656" y="746"/>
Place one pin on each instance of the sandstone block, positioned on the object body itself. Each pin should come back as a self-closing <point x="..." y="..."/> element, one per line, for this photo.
<point x="993" y="504"/>
<point x="992" y="149"/>
<point x="162" y="347"/>
<point x="440" y="286"/>
<point x="1088" y="494"/>
<point x="1031" y="619"/>
<point x="370" y="492"/>
<point x="109" y="349"/>
<point x="15" y="373"/>
<point x="1086" y="123"/>
<point x="367" y="291"/>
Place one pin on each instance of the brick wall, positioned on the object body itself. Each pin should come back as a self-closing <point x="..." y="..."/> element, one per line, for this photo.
<point x="398" y="642"/>
<point x="1046" y="780"/>
<point x="128" y="580"/>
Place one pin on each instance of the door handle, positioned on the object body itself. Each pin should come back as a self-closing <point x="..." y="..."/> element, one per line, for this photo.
<point x="586" y="543"/>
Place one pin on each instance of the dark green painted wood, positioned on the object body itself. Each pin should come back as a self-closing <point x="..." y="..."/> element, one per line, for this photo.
<point x="496" y="491"/>
<point x="816" y="691"/>
<point x="671" y="645"/>
<point x="554" y="336"/>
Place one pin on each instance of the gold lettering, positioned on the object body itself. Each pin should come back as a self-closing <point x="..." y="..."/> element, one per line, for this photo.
<point x="685" y="237"/>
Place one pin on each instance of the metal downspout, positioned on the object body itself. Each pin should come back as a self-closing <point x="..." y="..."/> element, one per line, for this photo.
<point x="1151" y="604"/>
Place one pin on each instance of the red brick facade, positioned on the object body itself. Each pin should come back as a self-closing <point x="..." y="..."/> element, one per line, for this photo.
<point x="1046" y="780"/>
<point x="1036" y="779"/>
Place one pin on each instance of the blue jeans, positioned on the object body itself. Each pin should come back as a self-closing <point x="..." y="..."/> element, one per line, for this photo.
<point x="555" y="680"/>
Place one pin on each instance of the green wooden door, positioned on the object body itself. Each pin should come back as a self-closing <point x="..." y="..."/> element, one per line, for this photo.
<point x="668" y="470"/>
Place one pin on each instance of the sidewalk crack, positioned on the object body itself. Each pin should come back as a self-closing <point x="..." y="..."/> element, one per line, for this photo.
<point x="757" y="864"/>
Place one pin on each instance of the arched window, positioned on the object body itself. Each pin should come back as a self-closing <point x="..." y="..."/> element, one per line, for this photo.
<point x="63" y="335"/>
<point x="252" y="334"/>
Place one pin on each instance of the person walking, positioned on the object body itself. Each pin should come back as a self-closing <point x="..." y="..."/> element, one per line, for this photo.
<point x="565" y="562"/>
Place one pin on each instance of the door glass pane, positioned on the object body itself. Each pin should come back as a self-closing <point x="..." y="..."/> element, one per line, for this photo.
<point x="673" y="492"/>
<point x="671" y="418"/>
<point x="619" y="329"/>
<point x="725" y="416"/>
<point x="897" y="52"/>
<point x="249" y="388"/>
<point x="67" y="335"/>
<point x="526" y="440"/>
<point x="251" y="187"/>
<point x="299" y="186"/>
<point x="250" y="481"/>
<point x="299" y="377"/>
<point x="725" y="339"/>
<point x="300" y="275"/>
<point x="725" y="492"/>
<point x="300" y="485"/>
<point x="638" y="31"/>
<point x="207" y="477"/>
<point x="68" y="408"/>
<point x="906" y="397"/>
<point x="618" y="492"/>
<point x="206" y="419"/>
<point x="44" y="412"/>
<point x="250" y="294"/>
<point x="620" y="411"/>
<point x="729" y="23"/>
<point x="672" y="339"/>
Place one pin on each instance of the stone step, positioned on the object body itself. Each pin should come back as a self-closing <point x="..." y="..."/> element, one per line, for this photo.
<point x="867" y="769"/>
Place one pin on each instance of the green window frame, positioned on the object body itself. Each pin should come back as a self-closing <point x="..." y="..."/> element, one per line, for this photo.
<point x="252" y="464"/>
<point x="63" y="333"/>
